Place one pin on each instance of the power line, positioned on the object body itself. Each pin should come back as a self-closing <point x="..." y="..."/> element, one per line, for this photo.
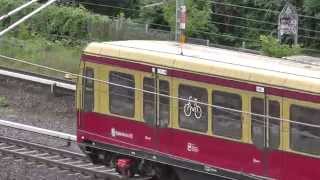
<point x="309" y="30"/>
<point x="214" y="22"/>
<point x="243" y="27"/>
<point x="308" y="37"/>
<point x="204" y="32"/>
<point x="208" y="33"/>
<point x="109" y="6"/>
<point x="226" y="35"/>
<point x="246" y="19"/>
<point x="246" y="7"/>
<point x="260" y="9"/>
<point x="156" y="93"/>
<point x="216" y="34"/>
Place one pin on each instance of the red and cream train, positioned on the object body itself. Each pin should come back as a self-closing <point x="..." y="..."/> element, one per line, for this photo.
<point x="151" y="110"/>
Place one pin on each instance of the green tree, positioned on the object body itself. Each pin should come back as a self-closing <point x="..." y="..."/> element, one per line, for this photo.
<point x="311" y="8"/>
<point x="151" y="12"/>
<point x="198" y="16"/>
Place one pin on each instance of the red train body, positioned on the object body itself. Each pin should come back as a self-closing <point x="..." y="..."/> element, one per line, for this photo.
<point x="187" y="153"/>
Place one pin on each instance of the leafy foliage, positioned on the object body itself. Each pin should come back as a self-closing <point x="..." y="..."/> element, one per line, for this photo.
<point x="198" y="12"/>
<point x="40" y="51"/>
<point x="62" y="23"/>
<point x="272" y="47"/>
<point x="217" y="21"/>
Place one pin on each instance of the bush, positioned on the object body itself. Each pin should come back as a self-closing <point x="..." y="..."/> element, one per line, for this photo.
<point x="40" y="51"/>
<point x="64" y="23"/>
<point x="272" y="47"/>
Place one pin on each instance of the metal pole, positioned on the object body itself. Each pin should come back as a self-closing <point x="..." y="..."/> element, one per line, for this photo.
<point x="179" y="3"/>
<point x="177" y="21"/>
<point x="26" y="17"/>
<point x="17" y="10"/>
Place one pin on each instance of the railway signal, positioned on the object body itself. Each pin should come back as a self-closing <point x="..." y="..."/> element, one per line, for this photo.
<point x="288" y="25"/>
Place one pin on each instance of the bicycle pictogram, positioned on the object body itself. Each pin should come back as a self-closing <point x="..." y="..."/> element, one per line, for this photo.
<point x="192" y="106"/>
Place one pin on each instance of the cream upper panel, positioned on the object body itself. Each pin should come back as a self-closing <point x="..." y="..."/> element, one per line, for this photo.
<point x="215" y="61"/>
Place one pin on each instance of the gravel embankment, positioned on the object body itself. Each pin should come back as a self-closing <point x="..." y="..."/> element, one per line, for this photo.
<point x="33" y="104"/>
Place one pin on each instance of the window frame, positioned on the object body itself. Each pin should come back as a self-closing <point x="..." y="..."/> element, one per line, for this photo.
<point x="160" y="78"/>
<point x="242" y="95"/>
<point x="175" y="86"/>
<point x="83" y="83"/>
<point x="136" y="98"/>
<point x="277" y="99"/>
<point x="304" y="104"/>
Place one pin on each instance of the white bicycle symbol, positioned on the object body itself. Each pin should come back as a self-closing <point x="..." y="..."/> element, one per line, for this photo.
<point x="192" y="107"/>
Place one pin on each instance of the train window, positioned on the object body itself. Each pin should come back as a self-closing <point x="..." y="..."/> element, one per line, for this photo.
<point x="227" y="122"/>
<point x="88" y="98"/>
<point x="164" y="103"/>
<point x="274" y="124"/>
<point x="258" y="123"/>
<point x="303" y="137"/>
<point x="149" y="102"/>
<point x="192" y="114"/>
<point x="121" y="94"/>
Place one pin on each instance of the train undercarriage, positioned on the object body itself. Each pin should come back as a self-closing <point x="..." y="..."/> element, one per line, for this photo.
<point x="130" y="166"/>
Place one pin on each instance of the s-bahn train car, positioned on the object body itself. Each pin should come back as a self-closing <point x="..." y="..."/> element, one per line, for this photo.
<point x="147" y="108"/>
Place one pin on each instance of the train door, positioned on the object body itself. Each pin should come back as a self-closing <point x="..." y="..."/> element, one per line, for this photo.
<point x="265" y="133"/>
<point x="156" y="108"/>
<point x="86" y="95"/>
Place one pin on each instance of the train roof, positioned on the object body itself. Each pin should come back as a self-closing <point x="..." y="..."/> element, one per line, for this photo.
<point x="303" y="75"/>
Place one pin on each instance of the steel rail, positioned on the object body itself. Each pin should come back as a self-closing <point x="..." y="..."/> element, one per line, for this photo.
<point x="38" y="130"/>
<point x="62" y="159"/>
<point x="37" y="78"/>
<point x="54" y="157"/>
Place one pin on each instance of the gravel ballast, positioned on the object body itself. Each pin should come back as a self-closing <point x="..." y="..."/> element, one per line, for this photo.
<point x="34" y="104"/>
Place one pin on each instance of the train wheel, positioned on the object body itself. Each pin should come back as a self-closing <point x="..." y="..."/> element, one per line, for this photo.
<point x="165" y="173"/>
<point x="93" y="157"/>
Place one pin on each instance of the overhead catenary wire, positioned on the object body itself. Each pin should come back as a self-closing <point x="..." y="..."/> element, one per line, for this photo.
<point x="239" y="26"/>
<point x="245" y="7"/>
<point x="221" y="35"/>
<point x="243" y="18"/>
<point x="125" y="86"/>
<point x="261" y="9"/>
<point x="17" y="9"/>
<point x="169" y="32"/>
<point x="155" y="93"/>
<point x="212" y="22"/>
<point x="26" y="17"/>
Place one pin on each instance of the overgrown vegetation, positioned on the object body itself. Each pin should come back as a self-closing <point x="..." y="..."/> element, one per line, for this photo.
<point x="64" y="23"/>
<point x="40" y="51"/>
<point x="51" y="38"/>
<point x="56" y="35"/>
<point x="272" y="47"/>
<point x="229" y="22"/>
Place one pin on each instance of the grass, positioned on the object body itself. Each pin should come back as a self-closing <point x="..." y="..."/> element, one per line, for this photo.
<point x="40" y="51"/>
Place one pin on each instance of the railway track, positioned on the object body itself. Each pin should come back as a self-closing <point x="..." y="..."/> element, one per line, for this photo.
<point x="75" y="163"/>
<point x="38" y="78"/>
<point x="62" y="159"/>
